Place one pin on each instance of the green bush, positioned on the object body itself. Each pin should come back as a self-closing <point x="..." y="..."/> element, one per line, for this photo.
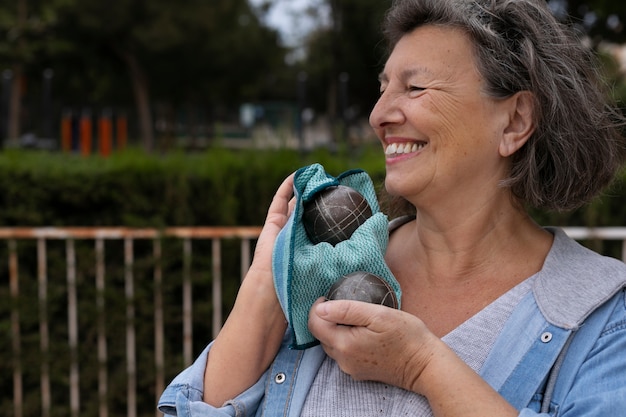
<point x="217" y="187"/>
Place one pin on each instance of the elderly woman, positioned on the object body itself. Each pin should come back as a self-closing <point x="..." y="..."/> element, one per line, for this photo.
<point x="486" y="107"/>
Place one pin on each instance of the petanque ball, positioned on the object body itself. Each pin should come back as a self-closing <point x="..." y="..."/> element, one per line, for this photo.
<point x="363" y="286"/>
<point x="334" y="213"/>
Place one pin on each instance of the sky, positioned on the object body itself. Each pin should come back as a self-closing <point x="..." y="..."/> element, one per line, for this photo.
<point x="289" y="18"/>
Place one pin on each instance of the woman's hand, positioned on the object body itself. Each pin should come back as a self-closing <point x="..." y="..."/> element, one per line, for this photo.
<point x="373" y="342"/>
<point x="253" y="332"/>
<point x="377" y="343"/>
<point x="277" y="215"/>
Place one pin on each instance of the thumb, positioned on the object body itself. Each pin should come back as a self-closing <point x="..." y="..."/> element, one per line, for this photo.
<point x="346" y="312"/>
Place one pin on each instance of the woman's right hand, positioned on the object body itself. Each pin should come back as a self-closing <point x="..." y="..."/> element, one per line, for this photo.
<point x="253" y="332"/>
<point x="277" y="215"/>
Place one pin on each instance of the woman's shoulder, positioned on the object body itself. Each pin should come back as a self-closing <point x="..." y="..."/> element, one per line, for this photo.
<point x="575" y="281"/>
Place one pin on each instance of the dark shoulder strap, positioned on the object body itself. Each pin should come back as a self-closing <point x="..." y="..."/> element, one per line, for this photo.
<point x="399" y="221"/>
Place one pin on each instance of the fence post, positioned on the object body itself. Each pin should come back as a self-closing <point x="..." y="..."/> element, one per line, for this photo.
<point x="18" y="395"/>
<point x="102" y="342"/>
<point x="72" y="319"/>
<point x="159" y="336"/>
<point x="187" y="304"/>
<point x="217" y="286"/>
<point x="44" y="343"/>
<point x="66" y="130"/>
<point x="131" y="357"/>
<point x="86" y="134"/>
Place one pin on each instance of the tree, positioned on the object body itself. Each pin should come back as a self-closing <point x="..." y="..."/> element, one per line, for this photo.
<point x="603" y="22"/>
<point x="600" y="19"/>
<point x="191" y="50"/>
<point x="130" y="30"/>
<point x="207" y="53"/>
<point x="25" y="29"/>
<point x="344" y="58"/>
<point x="350" y="43"/>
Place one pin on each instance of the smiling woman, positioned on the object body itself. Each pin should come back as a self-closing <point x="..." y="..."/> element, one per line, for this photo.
<point x="486" y="107"/>
<point x="395" y="149"/>
<point x="424" y="106"/>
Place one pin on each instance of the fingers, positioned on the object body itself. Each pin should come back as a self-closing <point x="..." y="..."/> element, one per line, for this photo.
<point x="348" y="312"/>
<point x="336" y="322"/>
<point x="342" y="328"/>
<point x="370" y="342"/>
<point x="282" y="203"/>
<point x="279" y="210"/>
<point x="277" y="216"/>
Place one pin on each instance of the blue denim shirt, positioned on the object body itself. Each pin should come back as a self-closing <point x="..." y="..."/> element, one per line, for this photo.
<point x="574" y="317"/>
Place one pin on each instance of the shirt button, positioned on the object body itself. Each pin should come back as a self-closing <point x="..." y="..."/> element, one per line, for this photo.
<point x="546" y="337"/>
<point x="280" y="378"/>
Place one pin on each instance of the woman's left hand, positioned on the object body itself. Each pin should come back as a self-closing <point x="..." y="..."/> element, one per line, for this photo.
<point x="373" y="342"/>
<point x="378" y="343"/>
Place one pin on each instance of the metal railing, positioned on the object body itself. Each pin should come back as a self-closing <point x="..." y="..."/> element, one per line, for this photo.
<point x="129" y="236"/>
<point x="99" y="235"/>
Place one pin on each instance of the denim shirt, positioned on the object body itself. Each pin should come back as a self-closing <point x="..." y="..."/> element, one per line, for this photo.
<point x="565" y="341"/>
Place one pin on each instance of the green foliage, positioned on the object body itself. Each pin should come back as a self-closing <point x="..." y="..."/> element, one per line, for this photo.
<point x="215" y="187"/>
<point x="352" y="46"/>
<point x="135" y="54"/>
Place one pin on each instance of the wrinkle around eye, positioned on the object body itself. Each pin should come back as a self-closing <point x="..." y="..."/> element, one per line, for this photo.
<point x="415" y="92"/>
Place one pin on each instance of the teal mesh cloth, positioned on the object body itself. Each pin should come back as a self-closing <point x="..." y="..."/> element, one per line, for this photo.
<point x="304" y="271"/>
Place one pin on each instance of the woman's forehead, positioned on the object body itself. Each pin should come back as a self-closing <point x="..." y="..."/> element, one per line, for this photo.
<point x="429" y="50"/>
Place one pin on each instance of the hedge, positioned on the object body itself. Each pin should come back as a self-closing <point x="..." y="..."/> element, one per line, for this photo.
<point x="217" y="187"/>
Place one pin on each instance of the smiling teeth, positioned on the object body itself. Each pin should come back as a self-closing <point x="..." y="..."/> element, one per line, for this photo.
<point x="400" y="148"/>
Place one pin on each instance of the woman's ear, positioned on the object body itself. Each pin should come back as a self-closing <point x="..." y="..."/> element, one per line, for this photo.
<point x="521" y="123"/>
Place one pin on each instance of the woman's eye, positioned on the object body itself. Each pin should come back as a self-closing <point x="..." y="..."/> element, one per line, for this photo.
<point x="415" y="91"/>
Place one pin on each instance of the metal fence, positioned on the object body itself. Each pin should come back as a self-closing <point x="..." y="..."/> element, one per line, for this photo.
<point x="42" y="238"/>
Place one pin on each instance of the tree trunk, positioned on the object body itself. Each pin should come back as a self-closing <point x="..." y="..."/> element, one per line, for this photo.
<point x="15" y="100"/>
<point x="142" y="99"/>
<point x="15" y="104"/>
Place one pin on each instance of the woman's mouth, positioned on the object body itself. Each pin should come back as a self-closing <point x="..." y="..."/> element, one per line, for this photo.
<point x="397" y="149"/>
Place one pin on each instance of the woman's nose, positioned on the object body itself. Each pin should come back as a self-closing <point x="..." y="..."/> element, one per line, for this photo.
<point x="386" y="111"/>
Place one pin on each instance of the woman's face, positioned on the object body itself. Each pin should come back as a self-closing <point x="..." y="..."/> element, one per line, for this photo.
<point x="439" y="130"/>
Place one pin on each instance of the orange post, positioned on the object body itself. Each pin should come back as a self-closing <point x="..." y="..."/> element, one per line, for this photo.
<point x="105" y="133"/>
<point x="85" y="133"/>
<point x="66" y="131"/>
<point x="121" y="131"/>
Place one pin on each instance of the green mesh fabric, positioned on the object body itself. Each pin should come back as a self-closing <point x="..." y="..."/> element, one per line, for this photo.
<point x="304" y="271"/>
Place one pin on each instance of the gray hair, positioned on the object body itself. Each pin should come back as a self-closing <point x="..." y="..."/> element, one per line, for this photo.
<point x="577" y="147"/>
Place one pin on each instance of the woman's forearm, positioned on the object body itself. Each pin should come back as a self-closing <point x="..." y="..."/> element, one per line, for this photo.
<point x="246" y="345"/>
<point x="454" y="389"/>
<point x="253" y="332"/>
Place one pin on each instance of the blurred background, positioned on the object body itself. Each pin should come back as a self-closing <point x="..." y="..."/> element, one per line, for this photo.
<point x="166" y="74"/>
<point x="141" y="142"/>
<point x="181" y="74"/>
